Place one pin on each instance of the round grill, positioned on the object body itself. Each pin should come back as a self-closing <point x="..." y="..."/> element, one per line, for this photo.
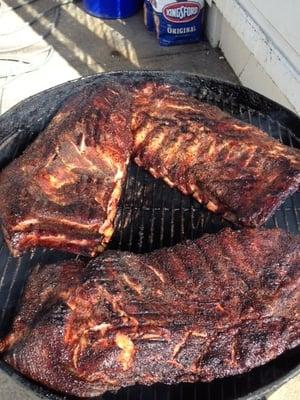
<point x="152" y="215"/>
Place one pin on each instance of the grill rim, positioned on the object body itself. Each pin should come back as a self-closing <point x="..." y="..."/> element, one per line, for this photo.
<point x="290" y="118"/>
<point x="286" y="117"/>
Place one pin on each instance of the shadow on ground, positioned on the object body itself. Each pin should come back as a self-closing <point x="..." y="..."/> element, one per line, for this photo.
<point x="92" y="45"/>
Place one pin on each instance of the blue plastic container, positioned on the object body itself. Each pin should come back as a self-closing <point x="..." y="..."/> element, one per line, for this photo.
<point x="112" y="9"/>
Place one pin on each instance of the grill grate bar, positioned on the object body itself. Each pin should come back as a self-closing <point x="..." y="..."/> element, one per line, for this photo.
<point x="172" y="225"/>
<point x="182" y="219"/>
<point x="152" y="218"/>
<point x="4" y="267"/>
<point x="121" y="215"/>
<point x="142" y="220"/>
<point x="294" y="206"/>
<point x="285" y="139"/>
<point x="15" y="268"/>
<point x="162" y="220"/>
<point x="135" y="192"/>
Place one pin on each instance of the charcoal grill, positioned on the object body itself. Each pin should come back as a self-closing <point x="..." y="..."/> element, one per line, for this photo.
<point x="152" y="215"/>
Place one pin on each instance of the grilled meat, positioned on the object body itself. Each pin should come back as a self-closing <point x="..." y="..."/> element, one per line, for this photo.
<point x="64" y="190"/>
<point x="234" y="168"/>
<point x="162" y="316"/>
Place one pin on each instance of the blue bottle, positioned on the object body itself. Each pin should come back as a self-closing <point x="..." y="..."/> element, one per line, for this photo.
<point x="112" y="9"/>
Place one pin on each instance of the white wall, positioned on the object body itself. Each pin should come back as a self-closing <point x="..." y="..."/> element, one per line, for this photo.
<point x="261" y="41"/>
<point x="280" y="19"/>
<point x="283" y="15"/>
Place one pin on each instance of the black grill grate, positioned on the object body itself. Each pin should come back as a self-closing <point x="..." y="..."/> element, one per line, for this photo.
<point x="152" y="215"/>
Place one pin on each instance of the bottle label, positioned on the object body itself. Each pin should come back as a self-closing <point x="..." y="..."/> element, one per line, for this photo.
<point x="178" y="13"/>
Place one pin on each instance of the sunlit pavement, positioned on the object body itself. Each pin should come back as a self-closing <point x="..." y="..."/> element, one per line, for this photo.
<point x="78" y="44"/>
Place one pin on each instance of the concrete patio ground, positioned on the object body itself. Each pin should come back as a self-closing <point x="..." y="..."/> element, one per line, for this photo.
<point x="81" y="45"/>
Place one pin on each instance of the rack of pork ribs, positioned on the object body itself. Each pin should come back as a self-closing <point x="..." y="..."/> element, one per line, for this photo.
<point x="129" y="318"/>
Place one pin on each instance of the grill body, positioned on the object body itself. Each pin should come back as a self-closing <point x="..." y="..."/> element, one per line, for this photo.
<point x="152" y="215"/>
